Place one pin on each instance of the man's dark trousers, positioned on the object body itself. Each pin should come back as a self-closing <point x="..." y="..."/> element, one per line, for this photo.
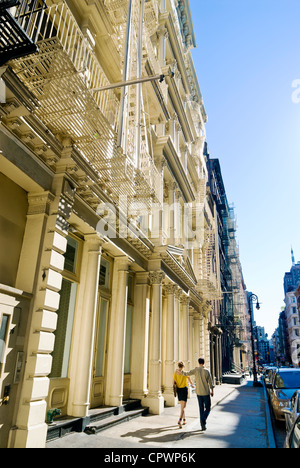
<point x="204" y="407"/>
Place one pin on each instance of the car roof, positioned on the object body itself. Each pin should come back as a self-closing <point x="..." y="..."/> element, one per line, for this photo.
<point x="288" y="369"/>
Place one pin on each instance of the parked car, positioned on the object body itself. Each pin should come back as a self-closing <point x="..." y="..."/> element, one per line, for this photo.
<point x="292" y="413"/>
<point x="293" y="437"/>
<point x="284" y="383"/>
<point x="268" y="377"/>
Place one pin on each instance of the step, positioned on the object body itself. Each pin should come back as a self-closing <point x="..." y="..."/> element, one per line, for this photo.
<point x="103" y="416"/>
<point x="234" y="379"/>
<point x="114" y="420"/>
<point x="66" y="425"/>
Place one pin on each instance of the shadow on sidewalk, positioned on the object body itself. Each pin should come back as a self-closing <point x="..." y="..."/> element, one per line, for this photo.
<point x="147" y="435"/>
<point x="237" y="421"/>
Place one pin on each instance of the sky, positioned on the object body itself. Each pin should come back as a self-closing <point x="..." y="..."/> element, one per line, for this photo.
<point x="248" y="62"/>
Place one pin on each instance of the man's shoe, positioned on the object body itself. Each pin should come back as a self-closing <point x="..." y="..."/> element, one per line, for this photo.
<point x="203" y="426"/>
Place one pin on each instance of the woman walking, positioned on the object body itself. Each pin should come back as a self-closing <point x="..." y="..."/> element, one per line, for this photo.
<point x="182" y="391"/>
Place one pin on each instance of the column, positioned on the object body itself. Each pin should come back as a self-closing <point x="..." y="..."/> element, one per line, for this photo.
<point x="40" y="266"/>
<point x="117" y="331"/>
<point x="170" y="345"/>
<point x="155" y="401"/>
<point x="202" y="338"/>
<point x="184" y="330"/>
<point x="212" y="346"/>
<point x="218" y="367"/>
<point x="197" y="343"/>
<point x="177" y="354"/>
<point x="191" y="338"/>
<point x="140" y="337"/>
<point x="81" y="360"/>
<point x="206" y="342"/>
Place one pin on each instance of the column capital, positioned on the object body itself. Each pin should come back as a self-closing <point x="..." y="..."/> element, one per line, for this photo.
<point x="39" y="203"/>
<point x="185" y="300"/>
<point x="156" y="277"/>
<point x="94" y="241"/>
<point x="171" y="288"/>
<point x="142" y="278"/>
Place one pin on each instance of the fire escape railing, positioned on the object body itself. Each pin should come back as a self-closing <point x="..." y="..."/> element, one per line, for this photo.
<point x="17" y="37"/>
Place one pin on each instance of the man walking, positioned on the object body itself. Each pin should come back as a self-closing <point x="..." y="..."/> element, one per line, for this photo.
<point x="204" y="390"/>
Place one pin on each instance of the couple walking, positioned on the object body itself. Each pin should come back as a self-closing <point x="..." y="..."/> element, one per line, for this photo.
<point x="204" y="390"/>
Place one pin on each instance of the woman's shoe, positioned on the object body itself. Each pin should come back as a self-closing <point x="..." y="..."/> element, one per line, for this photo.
<point x="179" y="424"/>
<point x="184" y="422"/>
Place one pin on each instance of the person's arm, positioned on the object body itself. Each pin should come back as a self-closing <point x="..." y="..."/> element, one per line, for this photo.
<point x="188" y="373"/>
<point x="191" y="383"/>
<point x="210" y="383"/>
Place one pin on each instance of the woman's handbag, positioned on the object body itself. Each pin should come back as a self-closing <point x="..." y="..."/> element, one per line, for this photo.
<point x="175" y="390"/>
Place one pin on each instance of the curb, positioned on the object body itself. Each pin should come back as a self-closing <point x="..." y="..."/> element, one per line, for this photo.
<point x="270" y="431"/>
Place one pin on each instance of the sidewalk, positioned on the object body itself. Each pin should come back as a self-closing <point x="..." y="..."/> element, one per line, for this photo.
<point x="239" y="419"/>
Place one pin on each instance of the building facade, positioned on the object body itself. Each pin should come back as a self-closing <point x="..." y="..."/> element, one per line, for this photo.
<point x="233" y="321"/>
<point x="110" y="262"/>
<point x="293" y="327"/>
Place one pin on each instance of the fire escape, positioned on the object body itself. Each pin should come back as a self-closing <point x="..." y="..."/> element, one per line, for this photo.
<point x="63" y="77"/>
<point x="17" y="39"/>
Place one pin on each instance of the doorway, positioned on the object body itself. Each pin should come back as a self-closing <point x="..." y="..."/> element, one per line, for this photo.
<point x="100" y="353"/>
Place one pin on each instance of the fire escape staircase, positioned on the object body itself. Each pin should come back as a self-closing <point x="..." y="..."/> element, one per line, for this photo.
<point x="14" y="39"/>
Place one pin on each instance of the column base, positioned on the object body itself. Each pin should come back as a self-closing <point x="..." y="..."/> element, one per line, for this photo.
<point x="114" y="401"/>
<point x="156" y="404"/>
<point x="33" y="437"/>
<point x="170" y="399"/>
<point x="80" y="410"/>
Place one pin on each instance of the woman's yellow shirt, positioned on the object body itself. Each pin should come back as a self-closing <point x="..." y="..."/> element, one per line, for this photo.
<point x="180" y="380"/>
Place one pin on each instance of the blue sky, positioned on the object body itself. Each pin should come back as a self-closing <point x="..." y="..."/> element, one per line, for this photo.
<point x="247" y="58"/>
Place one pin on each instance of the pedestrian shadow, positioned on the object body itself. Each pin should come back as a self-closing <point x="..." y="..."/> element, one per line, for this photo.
<point x="148" y="435"/>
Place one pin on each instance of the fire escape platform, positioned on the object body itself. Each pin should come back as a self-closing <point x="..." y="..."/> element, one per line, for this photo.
<point x="14" y="42"/>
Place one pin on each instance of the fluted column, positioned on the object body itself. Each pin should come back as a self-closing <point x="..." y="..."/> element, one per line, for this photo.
<point x="117" y="330"/>
<point x="206" y="342"/>
<point x="191" y="337"/>
<point x="84" y="328"/>
<point x="154" y="400"/>
<point x="184" y="330"/>
<point x="197" y="341"/>
<point x="170" y="345"/>
<point x="140" y="337"/>
<point x="202" y="338"/>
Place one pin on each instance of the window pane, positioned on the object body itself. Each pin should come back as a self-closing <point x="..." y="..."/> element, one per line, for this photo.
<point x="63" y="333"/>
<point x="128" y="340"/>
<point x="104" y="273"/>
<point x="71" y="255"/>
<point x="130" y="288"/>
<point x="3" y="333"/>
<point x="100" y="345"/>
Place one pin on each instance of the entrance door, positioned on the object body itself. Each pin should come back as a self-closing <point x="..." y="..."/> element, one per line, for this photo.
<point x="99" y="365"/>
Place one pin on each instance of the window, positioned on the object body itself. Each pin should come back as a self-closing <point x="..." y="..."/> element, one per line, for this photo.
<point x="104" y="273"/>
<point x="127" y="358"/>
<point x="100" y="343"/>
<point x="128" y="336"/>
<point x="289" y="379"/>
<point x="63" y="332"/>
<point x="71" y="255"/>
<point x="3" y="338"/>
